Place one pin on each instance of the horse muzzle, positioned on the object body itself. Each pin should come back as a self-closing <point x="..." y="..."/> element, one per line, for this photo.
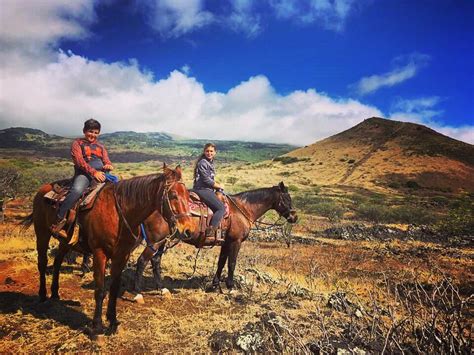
<point x="292" y="217"/>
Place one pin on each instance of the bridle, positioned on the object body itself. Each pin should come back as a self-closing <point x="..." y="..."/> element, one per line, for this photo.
<point x="173" y="219"/>
<point x="281" y="205"/>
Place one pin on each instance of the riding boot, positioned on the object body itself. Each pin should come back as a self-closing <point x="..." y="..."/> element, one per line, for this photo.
<point x="58" y="226"/>
<point x="211" y="232"/>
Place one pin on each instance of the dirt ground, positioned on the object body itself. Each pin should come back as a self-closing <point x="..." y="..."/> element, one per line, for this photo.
<point x="305" y="298"/>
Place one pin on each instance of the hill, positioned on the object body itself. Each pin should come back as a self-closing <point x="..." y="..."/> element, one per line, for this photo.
<point x="135" y="147"/>
<point x="386" y="153"/>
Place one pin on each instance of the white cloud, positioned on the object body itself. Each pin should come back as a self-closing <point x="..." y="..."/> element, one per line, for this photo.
<point x="329" y="14"/>
<point x="396" y="76"/>
<point x="423" y="111"/>
<point x="43" y="22"/>
<point x="56" y="91"/>
<point x="243" y="18"/>
<point x="60" y="96"/>
<point x="173" y="18"/>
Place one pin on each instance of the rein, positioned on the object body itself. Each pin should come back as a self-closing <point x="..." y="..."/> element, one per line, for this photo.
<point x="240" y="210"/>
<point x="174" y="215"/>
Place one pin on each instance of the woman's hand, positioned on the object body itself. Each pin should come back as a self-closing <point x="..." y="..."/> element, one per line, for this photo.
<point x="99" y="176"/>
<point x="218" y="186"/>
<point x="108" y="167"/>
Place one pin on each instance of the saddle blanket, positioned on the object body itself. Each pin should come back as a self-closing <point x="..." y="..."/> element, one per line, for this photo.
<point x="86" y="202"/>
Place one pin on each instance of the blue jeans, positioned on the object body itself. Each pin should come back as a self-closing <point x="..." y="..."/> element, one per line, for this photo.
<point x="209" y="197"/>
<point x="79" y="185"/>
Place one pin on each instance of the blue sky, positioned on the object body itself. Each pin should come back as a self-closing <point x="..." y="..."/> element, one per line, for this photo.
<point x="269" y="70"/>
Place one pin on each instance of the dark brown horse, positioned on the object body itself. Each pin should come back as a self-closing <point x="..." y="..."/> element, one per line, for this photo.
<point x="109" y="230"/>
<point x="245" y="209"/>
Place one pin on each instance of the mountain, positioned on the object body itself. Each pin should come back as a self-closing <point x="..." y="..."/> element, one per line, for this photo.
<point x="27" y="138"/>
<point x="135" y="147"/>
<point x="387" y="153"/>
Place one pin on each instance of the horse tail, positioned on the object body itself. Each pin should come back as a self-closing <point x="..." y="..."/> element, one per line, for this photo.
<point x="26" y="222"/>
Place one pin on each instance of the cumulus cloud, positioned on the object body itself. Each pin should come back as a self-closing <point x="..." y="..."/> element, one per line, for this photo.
<point x="57" y="90"/>
<point x="405" y="68"/>
<point x="59" y="97"/>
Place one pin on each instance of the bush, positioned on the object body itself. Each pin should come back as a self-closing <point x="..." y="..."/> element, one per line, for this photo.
<point x="232" y="180"/>
<point x="331" y="210"/>
<point x="286" y="160"/>
<point x="411" y="184"/>
<point x="460" y="219"/>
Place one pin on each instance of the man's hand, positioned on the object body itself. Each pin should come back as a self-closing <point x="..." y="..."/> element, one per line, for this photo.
<point x="108" y="167"/>
<point x="99" y="176"/>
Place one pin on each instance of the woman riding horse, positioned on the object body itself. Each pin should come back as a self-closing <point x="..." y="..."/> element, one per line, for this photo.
<point x="245" y="209"/>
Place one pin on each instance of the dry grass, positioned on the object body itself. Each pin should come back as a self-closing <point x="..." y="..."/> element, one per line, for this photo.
<point x="284" y="295"/>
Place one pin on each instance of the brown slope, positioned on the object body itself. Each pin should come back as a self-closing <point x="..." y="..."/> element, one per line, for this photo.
<point x="384" y="152"/>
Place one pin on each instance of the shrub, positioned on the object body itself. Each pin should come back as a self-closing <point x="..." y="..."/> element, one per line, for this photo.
<point x="232" y="180"/>
<point x="330" y="209"/>
<point x="411" y="184"/>
<point x="286" y="160"/>
<point x="460" y="219"/>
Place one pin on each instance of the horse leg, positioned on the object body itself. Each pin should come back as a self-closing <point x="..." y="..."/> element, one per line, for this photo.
<point x="118" y="263"/>
<point x="156" y="264"/>
<point x="220" y="265"/>
<point x="140" y="268"/>
<point x="85" y="263"/>
<point x="232" y="262"/>
<point x="62" y="251"/>
<point x="99" y="262"/>
<point x="42" y="243"/>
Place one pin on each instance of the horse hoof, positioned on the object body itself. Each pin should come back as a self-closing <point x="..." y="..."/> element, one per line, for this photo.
<point x="212" y="288"/>
<point x="55" y="296"/>
<point x="113" y="327"/>
<point x="43" y="299"/>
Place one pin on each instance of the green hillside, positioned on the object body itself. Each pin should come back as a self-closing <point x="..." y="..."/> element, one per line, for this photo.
<point x="136" y="147"/>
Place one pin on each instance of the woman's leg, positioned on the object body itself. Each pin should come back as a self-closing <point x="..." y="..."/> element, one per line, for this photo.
<point x="216" y="205"/>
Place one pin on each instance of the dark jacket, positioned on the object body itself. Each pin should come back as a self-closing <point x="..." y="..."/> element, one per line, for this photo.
<point x="205" y="175"/>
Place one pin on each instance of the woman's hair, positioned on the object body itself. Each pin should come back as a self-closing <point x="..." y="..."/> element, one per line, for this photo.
<point x="202" y="156"/>
<point x="91" y="124"/>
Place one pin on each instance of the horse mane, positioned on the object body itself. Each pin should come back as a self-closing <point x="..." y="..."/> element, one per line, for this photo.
<point x="254" y="196"/>
<point x="138" y="189"/>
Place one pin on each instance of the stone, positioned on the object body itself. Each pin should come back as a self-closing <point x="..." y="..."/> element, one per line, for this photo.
<point x="139" y="299"/>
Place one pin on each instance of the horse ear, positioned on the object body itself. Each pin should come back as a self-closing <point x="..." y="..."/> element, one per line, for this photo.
<point x="178" y="172"/>
<point x="282" y="187"/>
<point x="164" y="167"/>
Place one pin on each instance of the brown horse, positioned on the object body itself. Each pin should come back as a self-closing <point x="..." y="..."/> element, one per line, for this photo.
<point x="109" y="230"/>
<point x="245" y="209"/>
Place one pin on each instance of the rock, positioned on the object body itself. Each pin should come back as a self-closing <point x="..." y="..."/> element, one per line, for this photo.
<point x="358" y="313"/>
<point x="139" y="299"/>
<point x="165" y="293"/>
<point x="298" y="291"/>
<point x="9" y="281"/>
<point x="249" y="341"/>
<point x="221" y="341"/>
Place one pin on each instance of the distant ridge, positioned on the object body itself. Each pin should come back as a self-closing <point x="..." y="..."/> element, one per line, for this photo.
<point x="129" y="146"/>
<point x="384" y="152"/>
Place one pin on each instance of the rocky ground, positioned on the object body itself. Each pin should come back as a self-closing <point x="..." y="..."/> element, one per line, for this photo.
<point x="318" y="295"/>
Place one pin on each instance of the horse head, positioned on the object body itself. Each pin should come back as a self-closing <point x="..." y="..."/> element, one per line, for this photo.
<point x="175" y="207"/>
<point x="283" y="205"/>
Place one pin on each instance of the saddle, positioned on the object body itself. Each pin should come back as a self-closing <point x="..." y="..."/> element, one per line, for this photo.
<point x="58" y="194"/>
<point x="200" y="210"/>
